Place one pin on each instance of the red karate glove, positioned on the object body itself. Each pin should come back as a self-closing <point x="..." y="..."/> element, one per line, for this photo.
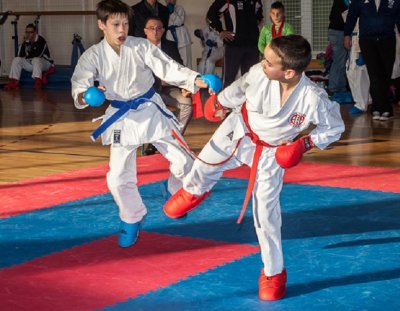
<point x="213" y="110"/>
<point x="290" y="155"/>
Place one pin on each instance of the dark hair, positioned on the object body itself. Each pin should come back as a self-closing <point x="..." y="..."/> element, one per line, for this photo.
<point x="106" y="8"/>
<point x="277" y="5"/>
<point x="31" y="26"/>
<point x="294" y="51"/>
<point x="153" y="18"/>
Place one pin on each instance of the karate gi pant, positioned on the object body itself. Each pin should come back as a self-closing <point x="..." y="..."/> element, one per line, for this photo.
<point x="122" y="176"/>
<point x="35" y="65"/>
<point x="266" y="191"/>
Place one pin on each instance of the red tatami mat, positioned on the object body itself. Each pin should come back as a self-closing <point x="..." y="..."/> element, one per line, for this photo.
<point x="100" y="273"/>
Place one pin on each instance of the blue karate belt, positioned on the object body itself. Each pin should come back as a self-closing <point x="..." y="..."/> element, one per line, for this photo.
<point x="125" y="106"/>
<point x="172" y="28"/>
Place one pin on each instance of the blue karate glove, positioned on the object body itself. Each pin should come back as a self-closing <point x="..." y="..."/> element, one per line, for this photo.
<point x="94" y="97"/>
<point x="213" y="81"/>
<point x="360" y="60"/>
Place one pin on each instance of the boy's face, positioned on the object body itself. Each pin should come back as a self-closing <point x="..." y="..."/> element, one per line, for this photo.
<point x="272" y="66"/>
<point x="115" y="29"/>
<point x="154" y="30"/>
<point x="277" y="16"/>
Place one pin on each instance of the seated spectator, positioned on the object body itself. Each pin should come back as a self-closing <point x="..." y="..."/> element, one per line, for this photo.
<point x="171" y="95"/>
<point x="278" y="27"/>
<point x="143" y="10"/>
<point x="33" y="56"/>
<point x="213" y="49"/>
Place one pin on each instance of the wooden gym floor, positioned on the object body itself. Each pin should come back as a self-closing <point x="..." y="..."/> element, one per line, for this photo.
<point x="43" y="134"/>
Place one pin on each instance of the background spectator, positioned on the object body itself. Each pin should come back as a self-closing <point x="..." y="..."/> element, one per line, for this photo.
<point x="213" y="49"/>
<point x="143" y="10"/>
<point x="377" y="42"/>
<point x="278" y="27"/>
<point x="337" y="74"/>
<point x="240" y="36"/>
<point x="171" y="95"/>
<point x="178" y="32"/>
<point x="33" y="56"/>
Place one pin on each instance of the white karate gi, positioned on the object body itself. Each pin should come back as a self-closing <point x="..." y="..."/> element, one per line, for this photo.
<point x="177" y="18"/>
<point x="127" y="76"/>
<point x="357" y="75"/>
<point x="308" y="104"/>
<point x="210" y="55"/>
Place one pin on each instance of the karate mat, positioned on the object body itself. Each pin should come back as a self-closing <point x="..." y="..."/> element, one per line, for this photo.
<point x="341" y="239"/>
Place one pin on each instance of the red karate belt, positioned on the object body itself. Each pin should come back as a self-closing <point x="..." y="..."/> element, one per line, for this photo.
<point x="260" y="144"/>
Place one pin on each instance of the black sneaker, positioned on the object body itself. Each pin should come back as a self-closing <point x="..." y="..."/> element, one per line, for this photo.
<point x="386" y="116"/>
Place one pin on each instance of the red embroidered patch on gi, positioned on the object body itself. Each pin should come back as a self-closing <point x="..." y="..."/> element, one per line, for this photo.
<point x="297" y="119"/>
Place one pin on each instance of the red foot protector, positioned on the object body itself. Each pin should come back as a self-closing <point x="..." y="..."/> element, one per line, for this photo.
<point x="100" y="274"/>
<point x="182" y="202"/>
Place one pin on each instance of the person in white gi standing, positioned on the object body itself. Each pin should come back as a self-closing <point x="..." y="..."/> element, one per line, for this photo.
<point x="124" y="67"/>
<point x="178" y="32"/>
<point x="271" y="105"/>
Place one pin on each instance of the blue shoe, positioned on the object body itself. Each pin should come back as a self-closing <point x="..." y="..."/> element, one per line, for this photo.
<point x="342" y="97"/>
<point x="347" y="97"/>
<point x="355" y="110"/>
<point x="128" y="234"/>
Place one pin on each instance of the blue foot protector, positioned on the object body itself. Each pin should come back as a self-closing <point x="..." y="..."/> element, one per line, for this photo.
<point x="342" y="97"/>
<point x="355" y="110"/>
<point x="128" y="234"/>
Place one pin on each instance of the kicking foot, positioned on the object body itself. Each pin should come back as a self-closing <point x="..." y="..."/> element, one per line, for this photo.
<point x="182" y="202"/>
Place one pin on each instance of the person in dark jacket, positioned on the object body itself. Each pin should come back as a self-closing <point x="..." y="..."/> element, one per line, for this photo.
<point x="143" y="10"/>
<point x="33" y="56"/>
<point x="337" y="74"/>
<point x="172" y="96"/>
<point x="240" y="36"/>
<point x="378" y="47"/>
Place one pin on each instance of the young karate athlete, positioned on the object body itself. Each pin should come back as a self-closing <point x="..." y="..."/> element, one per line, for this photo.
<point x="271" y="105"/>
<point x="124" y="67"/>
